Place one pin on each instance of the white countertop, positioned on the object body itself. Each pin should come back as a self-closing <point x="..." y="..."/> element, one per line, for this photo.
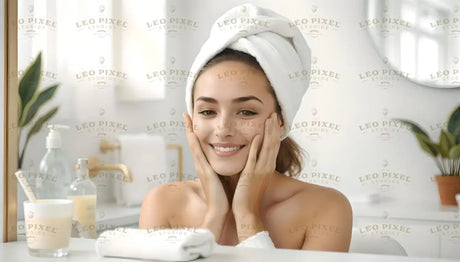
<point x="84" y="250"/>
<point x="412" y="210"/>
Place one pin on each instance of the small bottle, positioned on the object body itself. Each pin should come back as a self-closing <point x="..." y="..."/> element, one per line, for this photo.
<point x="55" y="170"/>
<point x="83" y="193"/>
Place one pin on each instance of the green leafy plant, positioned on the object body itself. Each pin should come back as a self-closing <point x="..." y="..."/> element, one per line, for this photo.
<point x="31" y="100"/>
<point x="446" y="153"/>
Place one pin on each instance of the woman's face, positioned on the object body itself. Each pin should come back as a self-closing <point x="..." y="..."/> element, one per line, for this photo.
<point x="231" y="103"/>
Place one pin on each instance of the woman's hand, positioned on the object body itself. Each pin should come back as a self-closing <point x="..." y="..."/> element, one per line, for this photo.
<point x="216" y="199"/>
<point x="259" y="170"/>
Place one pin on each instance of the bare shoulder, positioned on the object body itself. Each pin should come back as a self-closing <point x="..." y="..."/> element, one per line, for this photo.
<point x="315" y="202"/>
<point x="298" y="190"/>
<point x="163" y="204"/>
<point x="301" y="215"/>
<point x="328" y="217"/>
<point x="324" y="199"/>
<point x="172" y="191"/>
<point x="325" y="194"/>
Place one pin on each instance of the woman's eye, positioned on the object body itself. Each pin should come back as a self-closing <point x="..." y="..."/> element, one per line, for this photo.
<point x="206" y="112"/>
<point x="247" y="113"/>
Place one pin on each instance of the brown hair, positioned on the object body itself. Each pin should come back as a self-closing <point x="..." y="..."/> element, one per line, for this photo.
<point x="290" y="155"/>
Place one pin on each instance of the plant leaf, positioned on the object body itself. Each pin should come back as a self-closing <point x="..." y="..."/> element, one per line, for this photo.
<point x="446" y="142"/>
<point x="453" y="124"/>
<point x="454" y="152"/>
<point x="29" y="83"/>
<point x="427" y="145"/>
<point x="42" y="98"/>
<point x="42" y="120"/>
<point x="450" y="138"/>
<point x="416" y="129"/>
<point x="422" y="137"/>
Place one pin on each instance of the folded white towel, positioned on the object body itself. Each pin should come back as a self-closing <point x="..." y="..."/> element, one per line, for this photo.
<point x="260" y="240"/>
<point x="276" y="43"/>
<point x="182" y="244"/>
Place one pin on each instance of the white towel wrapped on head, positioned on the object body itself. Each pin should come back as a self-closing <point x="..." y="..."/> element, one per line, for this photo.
<point x="182" y="244"/>
<point x="276" y="43"/>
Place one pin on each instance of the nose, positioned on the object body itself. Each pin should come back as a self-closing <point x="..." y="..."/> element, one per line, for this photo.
<point x="225" y="126"/>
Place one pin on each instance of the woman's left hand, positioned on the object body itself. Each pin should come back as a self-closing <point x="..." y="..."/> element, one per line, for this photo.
<point x="259" y="169"/>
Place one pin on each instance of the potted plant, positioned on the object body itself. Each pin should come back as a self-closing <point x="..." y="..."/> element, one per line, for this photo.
<point x="446" y="154"/>
<point x="30" y="101"/>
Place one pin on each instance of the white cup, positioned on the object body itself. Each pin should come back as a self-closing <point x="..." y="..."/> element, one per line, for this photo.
<point x="48" y="225"/>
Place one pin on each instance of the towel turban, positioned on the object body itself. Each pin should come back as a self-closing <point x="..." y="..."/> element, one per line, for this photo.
<point x="276" y="43"/>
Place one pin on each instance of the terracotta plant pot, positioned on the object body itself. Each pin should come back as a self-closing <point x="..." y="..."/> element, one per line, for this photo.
<point x="448" y="187"/>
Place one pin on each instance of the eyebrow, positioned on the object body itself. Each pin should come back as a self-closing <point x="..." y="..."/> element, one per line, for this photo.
<point x="236" y="100"/>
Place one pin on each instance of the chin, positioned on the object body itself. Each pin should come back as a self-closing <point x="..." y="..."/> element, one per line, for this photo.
<point x="226" y="171"/>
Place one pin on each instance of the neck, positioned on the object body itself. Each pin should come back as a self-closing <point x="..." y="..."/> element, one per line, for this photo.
<point x="229" y="183"/>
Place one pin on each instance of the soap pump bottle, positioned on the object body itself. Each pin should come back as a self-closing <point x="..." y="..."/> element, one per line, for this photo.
<point x="83" y="193"/>
<point x="55" y="171"/>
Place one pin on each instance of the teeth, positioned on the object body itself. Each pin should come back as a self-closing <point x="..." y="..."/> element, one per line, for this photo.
<point x="226" y="149"/>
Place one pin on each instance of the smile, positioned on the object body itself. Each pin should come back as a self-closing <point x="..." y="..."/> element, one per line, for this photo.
<point x="226" y="150"/>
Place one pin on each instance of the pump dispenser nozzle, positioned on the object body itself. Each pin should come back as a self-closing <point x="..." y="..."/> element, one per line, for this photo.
<point x="55" y="171"/>
<point x="53" y="140"/>
<point x="83" y="192"/>
<point x="82" y="163"/>
<point x="82" y="168"/>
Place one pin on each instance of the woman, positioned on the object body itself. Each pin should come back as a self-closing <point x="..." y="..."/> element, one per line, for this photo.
<point x="238" y="117"/>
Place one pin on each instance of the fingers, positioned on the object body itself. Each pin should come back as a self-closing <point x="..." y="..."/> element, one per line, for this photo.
<point x="253" y="150"/>
<point x="276" y="126"/>
<point x="194" y="144"/>
<point x="271" y="141"/>
<point x="191" y="137"/>
<point x="188" y="123"/>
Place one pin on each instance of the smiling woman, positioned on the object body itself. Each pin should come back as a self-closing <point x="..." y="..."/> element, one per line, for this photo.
<point x="241" y="106"/>
<point x="240" y="75"/>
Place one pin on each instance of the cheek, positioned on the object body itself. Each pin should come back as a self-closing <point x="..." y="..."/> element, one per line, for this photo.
<point x="251" y="128"/>
<point x="200" y="128"/>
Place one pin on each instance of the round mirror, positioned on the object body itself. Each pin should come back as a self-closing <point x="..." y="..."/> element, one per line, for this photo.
<point x="420" y="39"/>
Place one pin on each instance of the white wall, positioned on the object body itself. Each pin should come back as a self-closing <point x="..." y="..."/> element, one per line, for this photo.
<point x="347" y="155"/>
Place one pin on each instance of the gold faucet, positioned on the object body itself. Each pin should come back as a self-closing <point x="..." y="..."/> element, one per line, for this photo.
<point x="95" y="166"/>
<point x="105" y="146"/>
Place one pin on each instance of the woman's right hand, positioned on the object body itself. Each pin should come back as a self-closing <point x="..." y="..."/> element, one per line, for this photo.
<point x="216" y="199"/>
